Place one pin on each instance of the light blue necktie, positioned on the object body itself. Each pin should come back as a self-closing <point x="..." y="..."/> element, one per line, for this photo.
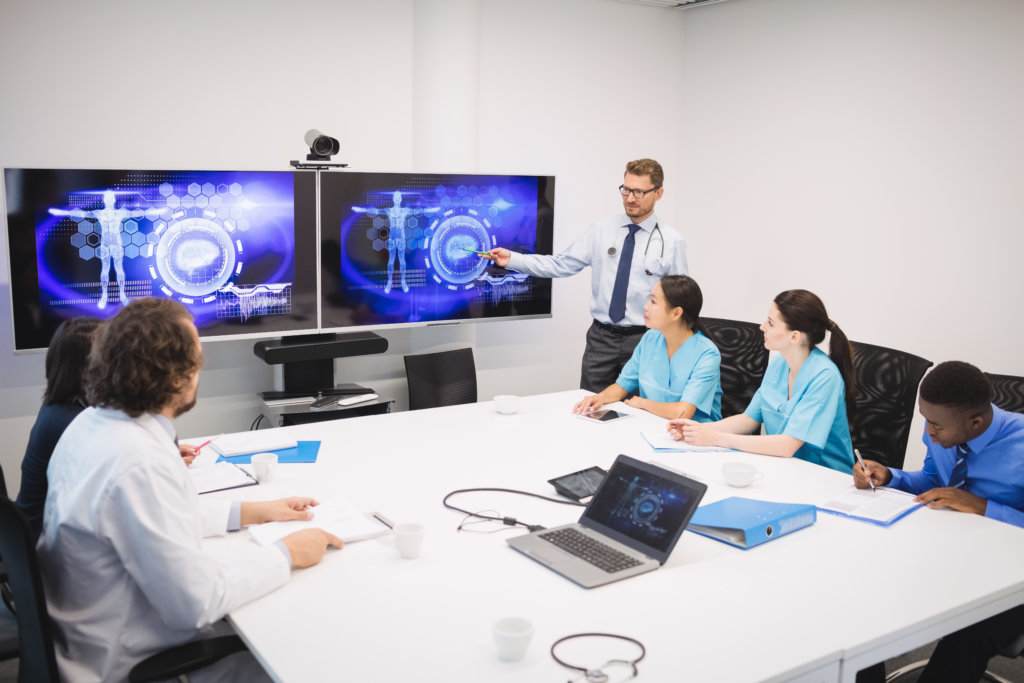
<point x="617" y="308"/>
<point x="958" y="477"/>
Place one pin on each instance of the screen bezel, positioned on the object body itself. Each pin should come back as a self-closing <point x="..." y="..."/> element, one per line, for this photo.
<point x="28" y="336"/>
<point x="693" y="488"/>
<point x="332" y="314"/>
<point x="32" y="326"/>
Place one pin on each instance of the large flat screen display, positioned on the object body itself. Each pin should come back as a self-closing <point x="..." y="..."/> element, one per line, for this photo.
<point x="238" y="248"/>
<point x="401" y="248"/>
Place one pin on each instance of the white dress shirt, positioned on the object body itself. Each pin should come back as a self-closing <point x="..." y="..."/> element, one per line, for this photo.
<point x="656" y="253"/>
<point x="123" y="567"/>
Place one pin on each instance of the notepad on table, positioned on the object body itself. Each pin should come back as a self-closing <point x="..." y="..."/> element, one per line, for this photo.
<point x="663" y="442"/>
<point x="220" y="477"/>
<point x="880" y="506"/>
<point x="337" y="516"/>
<point x="257" y="441"/>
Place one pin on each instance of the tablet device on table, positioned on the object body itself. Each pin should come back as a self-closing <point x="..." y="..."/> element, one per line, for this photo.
<point x="604" y="416"/>
<point x="579" y="484"/>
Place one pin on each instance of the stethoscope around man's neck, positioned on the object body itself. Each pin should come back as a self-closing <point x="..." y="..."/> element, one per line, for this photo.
<point x="661" y="238"/>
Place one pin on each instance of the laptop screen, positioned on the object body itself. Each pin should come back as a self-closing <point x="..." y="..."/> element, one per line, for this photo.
<point x="641" y="503"/>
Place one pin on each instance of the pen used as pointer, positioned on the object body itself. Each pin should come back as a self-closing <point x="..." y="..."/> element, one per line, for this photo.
<point x="865" y="468"/>
<point x="474" y="251"/>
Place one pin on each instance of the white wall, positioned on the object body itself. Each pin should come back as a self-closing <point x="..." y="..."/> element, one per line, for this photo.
<point x="120" y="84"/>
<point x="869" y="151"/>
<point x="858" y="149"/>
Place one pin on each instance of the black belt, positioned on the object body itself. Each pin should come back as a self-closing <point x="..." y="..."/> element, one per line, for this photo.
<point x="621" y="330"/>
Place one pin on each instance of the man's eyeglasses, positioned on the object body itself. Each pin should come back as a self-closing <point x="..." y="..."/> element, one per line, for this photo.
<point x="637" y="194"/>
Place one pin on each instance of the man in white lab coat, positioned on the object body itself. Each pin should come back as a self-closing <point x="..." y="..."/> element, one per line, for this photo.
<point x="123" y="566"/>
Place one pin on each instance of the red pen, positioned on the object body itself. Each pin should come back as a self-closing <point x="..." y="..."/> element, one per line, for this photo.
<point x="205" y="443"/>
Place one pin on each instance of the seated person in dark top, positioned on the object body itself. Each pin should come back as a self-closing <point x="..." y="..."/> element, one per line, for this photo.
<point x="63" y="400"/>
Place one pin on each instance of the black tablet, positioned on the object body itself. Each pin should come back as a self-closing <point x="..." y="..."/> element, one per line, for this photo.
<point x="603" y="416"/>
<point x="579" y="484"/>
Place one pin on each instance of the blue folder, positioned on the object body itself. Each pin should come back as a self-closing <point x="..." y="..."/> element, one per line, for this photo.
<point x="305" y="451"/>
<point x="745" y="522"/>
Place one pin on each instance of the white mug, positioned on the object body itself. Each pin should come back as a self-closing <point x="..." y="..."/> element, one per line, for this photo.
<point x="740" y="474"/>
<point x="512" y="636"/>
<point x="506" y="404"/>
<point x="264" y="464"/>
<point x="408" y="539"/>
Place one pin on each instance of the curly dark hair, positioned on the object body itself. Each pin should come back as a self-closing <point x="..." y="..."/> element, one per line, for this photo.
<point x="958" y="385"/>
<point x="141" y="357"/>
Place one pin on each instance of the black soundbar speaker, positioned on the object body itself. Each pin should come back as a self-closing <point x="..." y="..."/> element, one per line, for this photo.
<point x="319" y="347"/>
<point x="309" y="360"/>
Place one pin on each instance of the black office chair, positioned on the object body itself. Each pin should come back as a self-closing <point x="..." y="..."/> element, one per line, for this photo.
<point x="887" y="382"/>
<point x="744" y="360"/>
<point x="8" y="623"/>
<point x="447" y="378"/>
<point x="1007" y="392"/>
<point x="37" y="662"/>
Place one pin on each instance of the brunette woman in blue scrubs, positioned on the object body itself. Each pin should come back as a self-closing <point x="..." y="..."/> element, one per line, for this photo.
<point x="675" y="367"/>
<point x="806" y="399"/>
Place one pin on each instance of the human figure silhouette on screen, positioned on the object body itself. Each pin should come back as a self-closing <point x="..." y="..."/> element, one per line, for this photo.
<point x="110" y="219"/>
<point x="396" y="236"/>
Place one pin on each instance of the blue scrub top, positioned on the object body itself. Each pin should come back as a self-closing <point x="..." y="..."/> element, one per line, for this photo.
<point x="691" y="375"/>
<point x="815" y="414"/>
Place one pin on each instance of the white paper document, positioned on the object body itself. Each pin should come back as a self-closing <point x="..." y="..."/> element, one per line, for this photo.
<point x="882" y="506"/>
<point x="220" y="476"/>
<point x="257" y="441"/>
<point x="662" y="441"/>
<point x="337" y="516"/>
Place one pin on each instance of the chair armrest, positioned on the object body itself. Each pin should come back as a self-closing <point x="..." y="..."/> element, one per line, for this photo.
<point x="184" y="658"/>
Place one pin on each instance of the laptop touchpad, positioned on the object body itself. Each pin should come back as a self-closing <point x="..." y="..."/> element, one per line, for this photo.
<point x="551" y="555"/>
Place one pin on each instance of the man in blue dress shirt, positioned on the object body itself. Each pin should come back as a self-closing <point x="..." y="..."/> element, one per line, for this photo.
<point x="653" y="248"/>
<point x="975" y="464"/>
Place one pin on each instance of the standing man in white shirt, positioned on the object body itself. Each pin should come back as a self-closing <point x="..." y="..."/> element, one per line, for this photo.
<point x="628" y="254"/>
<point x="123" y="566"/>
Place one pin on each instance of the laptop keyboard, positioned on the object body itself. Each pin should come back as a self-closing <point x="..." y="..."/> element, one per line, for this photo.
<point x="590" y="549"/>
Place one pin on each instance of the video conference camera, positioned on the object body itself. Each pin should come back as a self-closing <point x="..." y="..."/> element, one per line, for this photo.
<point x="321" y="147"/>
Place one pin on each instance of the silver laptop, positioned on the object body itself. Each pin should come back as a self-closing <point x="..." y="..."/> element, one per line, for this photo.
<point x="629" y="527"/>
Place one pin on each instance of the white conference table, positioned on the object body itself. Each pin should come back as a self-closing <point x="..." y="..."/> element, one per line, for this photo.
<point x="816" y="605"/>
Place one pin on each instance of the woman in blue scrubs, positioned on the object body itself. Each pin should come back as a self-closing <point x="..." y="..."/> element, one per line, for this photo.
<point x="674" y="370"/>
<point x="806" y="399"/>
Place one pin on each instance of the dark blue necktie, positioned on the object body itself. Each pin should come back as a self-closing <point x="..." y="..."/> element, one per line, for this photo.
<point x="958" y="477"/>
<point x="617" y="309"/>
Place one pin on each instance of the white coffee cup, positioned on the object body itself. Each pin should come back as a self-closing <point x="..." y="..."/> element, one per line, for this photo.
<point x="264" y="465"/>
<point x="506" y="404"/>
<point x="740" y="474"/>
<point x="512" y="636"/>
<point x="408" y="539"/>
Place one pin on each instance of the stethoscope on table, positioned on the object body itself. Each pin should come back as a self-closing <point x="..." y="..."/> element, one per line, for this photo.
<point x="661" y="238"/>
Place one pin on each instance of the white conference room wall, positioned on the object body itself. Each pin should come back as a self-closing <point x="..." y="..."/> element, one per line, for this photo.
<point x="119" y="84"/>
<point x="880" y="134"/>
<point x="869" y="151"/>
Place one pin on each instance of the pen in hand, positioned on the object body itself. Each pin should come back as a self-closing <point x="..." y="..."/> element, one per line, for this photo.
<point x="865" y="468"/>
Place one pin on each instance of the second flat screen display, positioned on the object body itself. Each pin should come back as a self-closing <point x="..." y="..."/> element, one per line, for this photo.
<point x="400" y="248"/>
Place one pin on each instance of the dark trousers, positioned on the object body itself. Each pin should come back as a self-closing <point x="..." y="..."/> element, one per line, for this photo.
<point x="608" y="350"/>
<point x="961" y="657"/>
